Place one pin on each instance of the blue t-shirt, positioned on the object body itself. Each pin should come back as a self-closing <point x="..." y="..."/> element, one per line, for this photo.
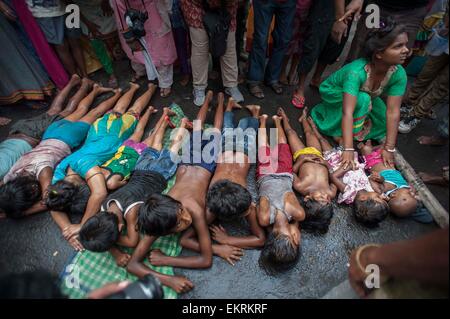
<point x="71" y="133"/>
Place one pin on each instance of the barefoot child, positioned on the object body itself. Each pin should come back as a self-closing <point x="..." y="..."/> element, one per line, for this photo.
<point x="388" y="181"/>
<point x="154" y="168"/>
<point x="173" y="213"/>
<point x="103" y="140"/>
<point x="35" y="169"/>
<point x="279" y="208"/>
<point x="311" y="177"/>
<point x="354" y="185"/>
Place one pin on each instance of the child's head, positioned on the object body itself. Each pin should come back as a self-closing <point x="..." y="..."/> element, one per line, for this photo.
<point x="228" y="200"/>
<point x="19" y="195"/>
<point x="402" y="202"/>
<point x="67" y="197"/>
<point x="370" y="208"/>
<point x="279" y="254"/>
<point x="319" y="210"/>
<point x="162" y="215"/>
<point x="100" y="232"/>
<point x="387" y="44"/>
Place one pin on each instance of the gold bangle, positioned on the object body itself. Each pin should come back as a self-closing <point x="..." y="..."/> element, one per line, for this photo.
<point x="383" y="278"/>
<point x="359" y="252"/>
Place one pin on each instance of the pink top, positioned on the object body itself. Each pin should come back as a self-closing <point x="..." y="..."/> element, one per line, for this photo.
<point x="138" y="147"/>
<point x="355" y="181"/>
<point x="373" y="159"/>
<point x="47" y="154"/>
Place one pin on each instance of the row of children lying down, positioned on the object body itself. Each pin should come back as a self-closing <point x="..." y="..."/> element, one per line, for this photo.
<point x="115" y="181"/>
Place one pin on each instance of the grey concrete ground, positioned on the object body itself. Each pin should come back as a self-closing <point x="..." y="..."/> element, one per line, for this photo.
<point x="35" y="242"/>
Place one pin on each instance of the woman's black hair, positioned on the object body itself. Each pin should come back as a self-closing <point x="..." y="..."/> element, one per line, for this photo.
<point x="19" y="195"/>
<point x="380" y="39"/>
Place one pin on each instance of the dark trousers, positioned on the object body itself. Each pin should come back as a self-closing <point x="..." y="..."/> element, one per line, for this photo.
<point x="318" y="44"/>
<point x="264" y="11"/>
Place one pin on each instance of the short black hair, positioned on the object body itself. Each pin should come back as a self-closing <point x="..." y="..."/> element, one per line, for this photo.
<point x="370" y="213"/>
<point x="278" y="254"/>
<point x="318" y="216"/>
<point x="380" y="39"/>
<point x="100" y="232"/>
<point x="227" y="200"/>
<point x="67" y="197"/>
<point x="158" y="216"/>
<point x="19" y="195"/>
<point x="37" y="284"/>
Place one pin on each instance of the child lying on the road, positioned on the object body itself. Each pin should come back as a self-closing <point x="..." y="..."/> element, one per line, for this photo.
<point x="354" y="185"/>
<point x="388" y="181"/>
<point x="313" y="181"/>
<point x="279" y="208"/>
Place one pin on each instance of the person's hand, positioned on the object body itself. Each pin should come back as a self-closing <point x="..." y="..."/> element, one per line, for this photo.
<point x="356" y="275"/>
<point x="353" y="9"/>
<point x="295" y="233"/>
<point x="180" y="284"/>
<point x="157" y="258"/>
<point x="388" y="158"/>
<point x="340" y="30"/>
<point x="75" y="243"/>
<point x="229" y="253"/>
<point x="122" y="259"/>
<point x="108" y="290"/>
<point x="376" y="177"/>
<point x="219" y="234"/>
<point x="71" y="230"/>
<point x="106" y="8"/>
<point x="348" y="160"/>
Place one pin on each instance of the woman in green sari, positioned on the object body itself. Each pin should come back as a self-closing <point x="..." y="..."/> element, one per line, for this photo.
<point x="352" y="108"/>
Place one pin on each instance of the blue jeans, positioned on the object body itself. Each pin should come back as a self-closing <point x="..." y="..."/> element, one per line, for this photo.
<point x="246" y="144"/>
<point x="284" y="13"/>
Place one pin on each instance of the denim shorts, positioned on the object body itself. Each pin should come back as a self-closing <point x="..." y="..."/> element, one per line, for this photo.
<point x="157" y="161"/>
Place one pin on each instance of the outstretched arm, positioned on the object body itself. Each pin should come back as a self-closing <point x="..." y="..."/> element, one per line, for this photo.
<point x="204" y="260"/>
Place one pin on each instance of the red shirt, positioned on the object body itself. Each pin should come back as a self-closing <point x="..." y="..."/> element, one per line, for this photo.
<point x="193" y="12"/>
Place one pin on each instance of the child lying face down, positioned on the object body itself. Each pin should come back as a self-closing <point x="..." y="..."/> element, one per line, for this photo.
<point x="154" y="168"/>
<point x="279" y="208"/>
<point x="388" y="181"/>
<point x="312" y="180"/>
<point x="27" y="182"/>
<point x="353" y="184"/>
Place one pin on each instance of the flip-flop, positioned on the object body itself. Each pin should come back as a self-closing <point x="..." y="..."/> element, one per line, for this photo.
<point x="298" y="101"/>
<point x="169" y="121"/>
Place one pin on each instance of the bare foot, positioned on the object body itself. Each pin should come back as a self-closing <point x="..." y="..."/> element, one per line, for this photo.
<point x="254" y="109"/>
<point x="4" y="121"/>
<point x="277" y="118"/>
<point x="281" y="113"/>
<point x="102" y="89"/>
<point x="304" y="115"/>
<point x="134" y="86"/>
<point x="151" y="110"/>
<point x="432" y="140"/>
<point x="186" y="123"/>
<point x="168" y="111"/>
<point x="87" y="82"/>
<point x="75" y="79"/>
<point x="209" y="96"/>
<point x="233" y="105"/>
<point x="185" y="80"/>
<point x="263" y="118"/>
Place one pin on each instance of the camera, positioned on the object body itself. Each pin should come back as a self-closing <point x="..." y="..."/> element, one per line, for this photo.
<point x="135" y="19"/>
<point x="148" y="287"/>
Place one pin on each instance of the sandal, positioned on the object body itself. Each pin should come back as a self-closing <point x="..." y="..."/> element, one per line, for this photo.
<point x="298" y="101"/>
<point x="165" y="92"/>
<point x="169" y="122"/>
<point x="256" y="91"/>
<point x="277" y="88"/>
